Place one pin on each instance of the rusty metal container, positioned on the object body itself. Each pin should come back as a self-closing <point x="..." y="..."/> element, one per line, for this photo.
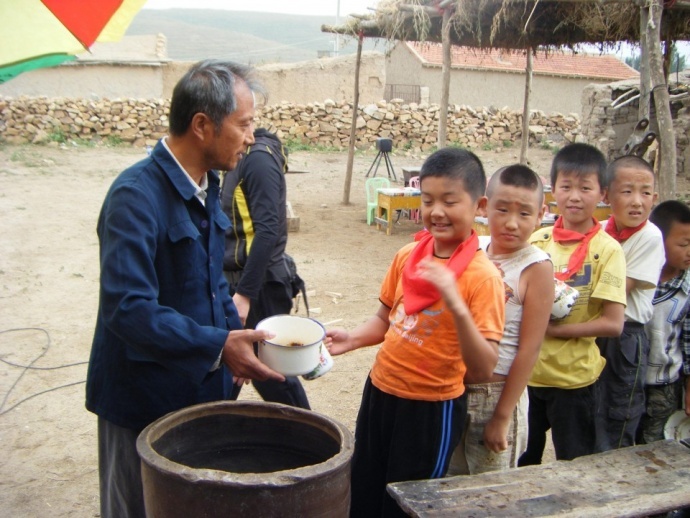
<point x="239" y="459"/>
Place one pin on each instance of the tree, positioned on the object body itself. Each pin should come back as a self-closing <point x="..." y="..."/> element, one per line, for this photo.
<point x="677" y="60"/>
<point x="633" y="61"/>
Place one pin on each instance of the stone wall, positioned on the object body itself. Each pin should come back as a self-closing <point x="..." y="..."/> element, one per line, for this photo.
<point x="41" y="120"/>
<point x="411" y="127"/>
<point x="608" y="119"/>
<point x="604" y="126"/>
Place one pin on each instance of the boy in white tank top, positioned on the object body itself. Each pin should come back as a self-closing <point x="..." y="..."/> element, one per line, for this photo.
<point x="496" y="432"/>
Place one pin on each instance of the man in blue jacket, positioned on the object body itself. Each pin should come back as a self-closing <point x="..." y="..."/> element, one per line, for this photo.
<point x="167" y="332"/>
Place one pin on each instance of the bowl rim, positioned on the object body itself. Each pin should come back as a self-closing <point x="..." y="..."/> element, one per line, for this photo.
<point x="296" y="347"/>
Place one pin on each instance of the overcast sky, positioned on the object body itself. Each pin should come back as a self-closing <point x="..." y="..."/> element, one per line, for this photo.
<point x="317" y="7"/>
<point x="313" y="7"/>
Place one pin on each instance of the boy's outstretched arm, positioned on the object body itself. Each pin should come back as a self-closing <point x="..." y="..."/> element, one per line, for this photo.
<point x="536" y="310"/>
<point x="371" y="332"/>
<point x="479" y="354"/>
<point x="610" y="323"/>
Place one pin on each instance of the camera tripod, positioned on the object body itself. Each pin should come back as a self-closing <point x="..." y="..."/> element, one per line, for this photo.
<point x="389" y="165"/>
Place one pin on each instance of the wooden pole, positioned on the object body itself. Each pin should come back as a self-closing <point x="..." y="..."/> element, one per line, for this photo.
<point x="643" y="111"/>
<point x="353" y="129"/>
<point x="445" y="79"/>
<point x="667" y="138"/>
<point x="525" y="109"/>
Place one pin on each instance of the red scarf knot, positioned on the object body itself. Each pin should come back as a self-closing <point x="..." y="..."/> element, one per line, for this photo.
<point x="418" y="293"/>
<point x="577" y="258"/>
<point x="612" y="230"/>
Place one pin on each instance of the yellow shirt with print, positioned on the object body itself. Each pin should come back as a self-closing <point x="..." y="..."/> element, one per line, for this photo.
<point x="572" y="363"/>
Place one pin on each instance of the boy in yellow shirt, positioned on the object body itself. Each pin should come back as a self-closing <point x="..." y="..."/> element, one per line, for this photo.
<point x="441" y="314"/>
<point x="562" y="391"/>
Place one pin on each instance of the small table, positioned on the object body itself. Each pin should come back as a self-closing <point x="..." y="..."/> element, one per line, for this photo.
<point x="392" y="199"/>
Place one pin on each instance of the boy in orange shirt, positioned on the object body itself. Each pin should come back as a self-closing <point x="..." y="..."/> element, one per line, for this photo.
<point x="441" y="314"/>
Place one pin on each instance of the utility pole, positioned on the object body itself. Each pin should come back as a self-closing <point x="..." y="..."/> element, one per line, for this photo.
<point x="336" y="51"/>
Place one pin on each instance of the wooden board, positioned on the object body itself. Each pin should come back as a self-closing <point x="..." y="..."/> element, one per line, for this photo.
<point x="636" y="481"/>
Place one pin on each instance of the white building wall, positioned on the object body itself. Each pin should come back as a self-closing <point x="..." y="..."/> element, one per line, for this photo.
<point x="89" y="81"/>
<point x="304" y="82"/>
<point x="477" y="88"/>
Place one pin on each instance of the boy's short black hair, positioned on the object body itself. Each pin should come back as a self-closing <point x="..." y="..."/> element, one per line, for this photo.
<point x="459" y="164"/>
<point x="581" y="159"/>
<point x="630" y="161"/>
<point x="669" y="212"/>
<point x="516" y="175"/>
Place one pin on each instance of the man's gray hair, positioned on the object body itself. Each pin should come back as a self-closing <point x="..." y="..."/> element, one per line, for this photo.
<point x="209" y="87"/>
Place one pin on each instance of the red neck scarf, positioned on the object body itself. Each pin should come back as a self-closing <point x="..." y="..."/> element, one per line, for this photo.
<point x="624" y="234"/>
<point x="577" y="258"/>
<point x="418" y="293"/>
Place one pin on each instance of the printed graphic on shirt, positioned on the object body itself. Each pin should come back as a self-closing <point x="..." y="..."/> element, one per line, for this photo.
<point x="582" y="281"/>
<point x="415" y="328"/>
<point x="509" y="291"/>
<point x="611" y="280"/>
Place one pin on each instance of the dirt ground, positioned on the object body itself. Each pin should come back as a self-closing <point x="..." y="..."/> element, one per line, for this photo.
<point x="49" y="203"/>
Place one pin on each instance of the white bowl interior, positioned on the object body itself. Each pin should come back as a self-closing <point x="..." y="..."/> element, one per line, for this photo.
<point x="290" y="330"/>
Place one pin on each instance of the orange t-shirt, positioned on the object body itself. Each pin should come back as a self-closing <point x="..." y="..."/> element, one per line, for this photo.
<point x="420" y="356"/>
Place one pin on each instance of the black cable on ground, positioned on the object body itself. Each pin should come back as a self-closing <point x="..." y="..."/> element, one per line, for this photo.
<point x="26" y="368"/>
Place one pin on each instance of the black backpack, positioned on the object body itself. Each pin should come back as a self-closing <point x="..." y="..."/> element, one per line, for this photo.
<point x="296" y="282"/>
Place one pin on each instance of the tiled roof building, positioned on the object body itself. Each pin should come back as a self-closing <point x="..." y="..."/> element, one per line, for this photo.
<point x="558" y="63"/>
<point x="497" y="78"/>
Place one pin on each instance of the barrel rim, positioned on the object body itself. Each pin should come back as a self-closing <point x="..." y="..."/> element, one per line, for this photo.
<point x="151" y="458"/>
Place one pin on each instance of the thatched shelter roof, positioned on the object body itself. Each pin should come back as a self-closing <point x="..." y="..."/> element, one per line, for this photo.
<point x="516" y="24"/>
<point x="534" y="25"/>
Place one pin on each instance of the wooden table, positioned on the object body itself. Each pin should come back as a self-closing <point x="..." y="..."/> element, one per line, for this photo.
<point x="636" y="481"/>
<point x="392" y="199"/>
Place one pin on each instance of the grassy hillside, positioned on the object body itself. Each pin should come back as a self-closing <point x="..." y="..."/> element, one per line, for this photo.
<point x="248" y="37"/>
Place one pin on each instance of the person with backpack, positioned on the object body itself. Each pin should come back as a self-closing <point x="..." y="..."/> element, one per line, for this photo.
<point x="253" y="196"/>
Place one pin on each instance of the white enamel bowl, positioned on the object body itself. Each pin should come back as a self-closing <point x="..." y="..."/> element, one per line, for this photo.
<point x="296" y="347"/>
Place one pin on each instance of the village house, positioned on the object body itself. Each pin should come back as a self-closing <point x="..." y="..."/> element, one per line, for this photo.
<point x="138" y="67"/>
<point x="497" y="78"/>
